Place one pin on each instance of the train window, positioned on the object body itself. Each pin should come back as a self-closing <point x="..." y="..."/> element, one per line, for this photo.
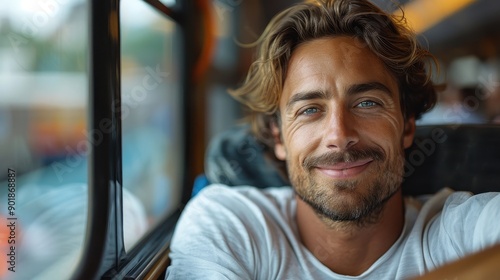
<point x="151" y="116"/>
<point x="472" y="94"/>
<point x="43" y="138"/>
<point x="468" y="58"/>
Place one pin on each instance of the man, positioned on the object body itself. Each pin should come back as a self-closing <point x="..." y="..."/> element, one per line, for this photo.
<point x="335" y="92"/>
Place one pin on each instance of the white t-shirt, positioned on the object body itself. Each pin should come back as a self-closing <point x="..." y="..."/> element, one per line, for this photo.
<point x="247" y="233"/>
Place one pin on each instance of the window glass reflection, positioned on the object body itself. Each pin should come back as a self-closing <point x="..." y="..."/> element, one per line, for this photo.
<point x="43" y="113"/>
<point x="151" y="113"/>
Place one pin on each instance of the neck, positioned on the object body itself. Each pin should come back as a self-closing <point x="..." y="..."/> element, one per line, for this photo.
<point x="350" y="248"/>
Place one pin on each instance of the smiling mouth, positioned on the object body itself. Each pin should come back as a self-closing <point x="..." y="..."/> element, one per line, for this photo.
<point x="343" y="170"/>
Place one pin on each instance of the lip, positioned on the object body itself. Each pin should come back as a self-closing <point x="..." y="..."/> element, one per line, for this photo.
<point x="345" y="170"/>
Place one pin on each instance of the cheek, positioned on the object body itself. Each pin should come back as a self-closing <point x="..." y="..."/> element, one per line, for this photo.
<point x="301" y="142"/>
<point x="388" y="135"/>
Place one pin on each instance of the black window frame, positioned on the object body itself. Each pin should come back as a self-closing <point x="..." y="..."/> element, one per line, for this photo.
<point x="103" y="254"/>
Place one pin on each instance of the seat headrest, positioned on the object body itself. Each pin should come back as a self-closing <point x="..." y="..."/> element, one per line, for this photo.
<point x="462" y="157"/>
<point x="235" y="158"/>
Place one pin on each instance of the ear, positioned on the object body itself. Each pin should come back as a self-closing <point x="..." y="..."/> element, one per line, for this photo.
<point x="279" y="147"/>
<point x="409" y="132"/>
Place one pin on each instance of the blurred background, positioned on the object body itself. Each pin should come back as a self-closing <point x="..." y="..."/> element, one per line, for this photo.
<point x="44" y="105"/>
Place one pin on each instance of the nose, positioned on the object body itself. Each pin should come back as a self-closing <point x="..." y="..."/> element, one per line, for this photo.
<point x="341" y="131"/>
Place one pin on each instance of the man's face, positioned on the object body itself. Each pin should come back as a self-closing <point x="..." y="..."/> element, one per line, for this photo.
<point x="342" y="129"/>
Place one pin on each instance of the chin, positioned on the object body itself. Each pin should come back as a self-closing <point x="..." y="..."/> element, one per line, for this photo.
<point x="347" y="200"/>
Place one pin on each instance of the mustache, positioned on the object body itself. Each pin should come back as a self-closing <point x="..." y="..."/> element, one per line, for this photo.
<point x="351" y="155"/>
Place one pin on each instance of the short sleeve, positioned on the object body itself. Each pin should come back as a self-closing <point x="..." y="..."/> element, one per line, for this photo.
<point x="216" y="237"/>
<point x="468" y="223"/>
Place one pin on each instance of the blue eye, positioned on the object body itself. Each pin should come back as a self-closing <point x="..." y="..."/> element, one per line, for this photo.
<point x="367" y="104"/>
<point x="310" y="111"/>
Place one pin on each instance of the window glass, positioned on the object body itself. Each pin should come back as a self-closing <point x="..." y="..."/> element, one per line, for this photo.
<point x="472" y="93"/>
<point x="43" y="143"/>
<point x="168" y="3"/>
<point x="151" y="113"/>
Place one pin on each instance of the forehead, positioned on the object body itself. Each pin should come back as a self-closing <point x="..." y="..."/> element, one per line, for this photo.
<point x="337" y="62"/>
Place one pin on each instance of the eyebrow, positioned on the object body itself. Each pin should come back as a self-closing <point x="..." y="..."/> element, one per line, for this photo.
<point x="352" y="90"/>
<point x="360" y="88"/>
<point x="306" y="95"/>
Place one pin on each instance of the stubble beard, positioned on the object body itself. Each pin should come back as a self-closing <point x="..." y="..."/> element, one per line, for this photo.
<point x="367" y="195"/>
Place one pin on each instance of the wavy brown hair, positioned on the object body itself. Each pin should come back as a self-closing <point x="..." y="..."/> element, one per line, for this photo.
<point x="386" y="35"/>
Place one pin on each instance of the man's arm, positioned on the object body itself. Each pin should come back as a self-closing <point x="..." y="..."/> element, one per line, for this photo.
<point x="470" y="227"/>
<point x="211" y="241"/>
<point x="479" y="266"/>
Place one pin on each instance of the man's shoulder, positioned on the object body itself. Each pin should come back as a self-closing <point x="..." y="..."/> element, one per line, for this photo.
<point x="453" y="209"/>
<point x="235" y="229"/>
<point x="243" y="202"/>
<point x="448" y="198"/>
<point x="238" y="195"/>
<point x="457" y="223"/>
<point x="472" y="208"/>
<point x="223" y="216"/>
<point x="245" y="189"/>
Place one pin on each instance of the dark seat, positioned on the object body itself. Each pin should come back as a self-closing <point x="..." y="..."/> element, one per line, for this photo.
<point x="462" y="157"/>
<point x="235" y="157"/>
